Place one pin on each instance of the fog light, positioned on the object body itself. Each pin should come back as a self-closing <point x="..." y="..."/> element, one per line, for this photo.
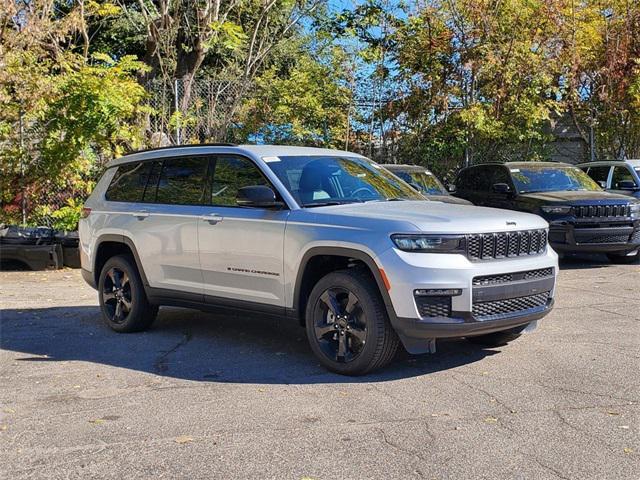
<point x="439" y="292"/>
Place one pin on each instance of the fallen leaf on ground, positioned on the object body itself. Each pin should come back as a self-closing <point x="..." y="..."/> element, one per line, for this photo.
<point x="625" y="427"/>
<point x="613" y="413"/>
<point x="490" y="420"/>
<point x="96" y="421"/>
<point x="628" y="450"/>
<point x="183" y="439"/>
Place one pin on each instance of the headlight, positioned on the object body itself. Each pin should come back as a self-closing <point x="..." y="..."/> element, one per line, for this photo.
<point x="430" y="243"/>
<point x="635" y="210"/>
<point x="557" y="209"/>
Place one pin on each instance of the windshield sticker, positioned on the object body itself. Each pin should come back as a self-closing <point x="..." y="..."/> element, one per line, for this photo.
<point x="271" y="159"/>
<point x="515" y="170"/>
<point x="361" y="175"/>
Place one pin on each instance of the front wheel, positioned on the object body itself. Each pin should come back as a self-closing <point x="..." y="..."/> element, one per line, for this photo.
<point x="123" y="302"/>
<point x="624" y="259"/>
<point x="347" y="324"/>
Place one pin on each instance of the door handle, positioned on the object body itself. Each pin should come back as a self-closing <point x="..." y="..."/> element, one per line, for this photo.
<point x="212" y="218"/>
<point x="141" y="215"/>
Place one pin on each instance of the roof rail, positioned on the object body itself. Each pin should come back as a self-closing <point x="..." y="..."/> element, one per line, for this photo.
<point x="181" y="146"/>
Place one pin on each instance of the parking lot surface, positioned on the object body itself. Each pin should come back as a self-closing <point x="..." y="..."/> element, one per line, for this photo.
<point x="210" y="396"/>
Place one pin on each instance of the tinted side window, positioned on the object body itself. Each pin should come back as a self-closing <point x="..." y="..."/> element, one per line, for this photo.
<point x="129" y="182"/>
<point x="599" y="174"/>
<point x="620" y="174"/>
<point x="230" y="174"/>
<point x="182" y="181"/>
<point x="498" y="175"/>
<point x="152" y="183"/>
<point x="469" y="179"/>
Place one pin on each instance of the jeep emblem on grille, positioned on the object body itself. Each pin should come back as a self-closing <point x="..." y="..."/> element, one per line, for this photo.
<point x="511" y="224"/>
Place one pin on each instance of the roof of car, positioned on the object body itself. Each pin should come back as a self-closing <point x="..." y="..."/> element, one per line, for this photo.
<point x="525" y="164"/>
<point x="256" y="150"/>
<point x="404" y="166"/>
<point x="604" y="163"/>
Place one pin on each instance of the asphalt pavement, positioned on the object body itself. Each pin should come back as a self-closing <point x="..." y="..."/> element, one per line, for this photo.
<point x="204" y="396"/>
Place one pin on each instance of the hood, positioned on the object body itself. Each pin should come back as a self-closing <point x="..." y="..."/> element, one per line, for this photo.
<point x="448" y="199"/>
<point x="576" y="197"/>
<point x="430" y="217"/>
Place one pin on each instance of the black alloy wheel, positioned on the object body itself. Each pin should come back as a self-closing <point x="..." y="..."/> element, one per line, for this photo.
<point x="123" y="301"/>
<point x="340" y="325"/>
<point x="116" y="294"/>
<point x="347" y="323"/>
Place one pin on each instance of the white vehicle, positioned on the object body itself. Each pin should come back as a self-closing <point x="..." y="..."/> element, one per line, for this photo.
<point x="325" y="237"/>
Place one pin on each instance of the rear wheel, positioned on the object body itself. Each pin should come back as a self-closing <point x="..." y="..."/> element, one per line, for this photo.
<point x="624" y="259"/>
<point x="498" y="338"/>
<point x="123" y="302"/>
<point x="347" y="324"/>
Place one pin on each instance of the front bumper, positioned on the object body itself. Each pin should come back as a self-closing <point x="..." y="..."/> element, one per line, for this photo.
<point x="415" y="332"/>
<point x="593" y="237"/>
<point x="478" y="307"/>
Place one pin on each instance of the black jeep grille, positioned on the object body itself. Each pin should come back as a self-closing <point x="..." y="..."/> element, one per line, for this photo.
<point x="488" y="246"/>
<point x="591" y="211"/>
<point x="512" y="277"/>
<point x="635" y="238"/>
<point x="496" y="308"/>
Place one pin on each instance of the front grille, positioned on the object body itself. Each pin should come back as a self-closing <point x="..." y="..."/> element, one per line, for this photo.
<point x="611" y="238"/>
<point x="512" y="277"/>
<point x="488" y="246"/>
<point x="608" y="211"/>
<point x="433" y="306"/>
<point x="497" y="308"/>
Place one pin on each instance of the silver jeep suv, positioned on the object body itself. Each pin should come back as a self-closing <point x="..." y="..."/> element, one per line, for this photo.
<point x="326" y="237"/>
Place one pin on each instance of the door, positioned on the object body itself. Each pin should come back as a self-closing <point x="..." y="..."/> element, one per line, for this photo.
<point x="241" y="249"/>
<point x="622" y="173"/>
<point x="164" y="225"/>
<point x="498" y="174"/>
<point x="600" y="175"/>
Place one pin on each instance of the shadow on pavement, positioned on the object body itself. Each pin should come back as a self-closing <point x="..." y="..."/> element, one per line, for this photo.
<point x="192" y="345"/>
<point x="584" y="261"/>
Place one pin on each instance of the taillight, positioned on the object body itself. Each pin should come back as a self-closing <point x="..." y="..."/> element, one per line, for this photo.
<point x="85" y="212"/>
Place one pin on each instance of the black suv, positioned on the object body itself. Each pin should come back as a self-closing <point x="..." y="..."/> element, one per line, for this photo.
<point x="582" y="217"/>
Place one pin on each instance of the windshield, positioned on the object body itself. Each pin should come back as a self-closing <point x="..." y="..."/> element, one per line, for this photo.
<point x="551" y="179"/>
<point x="427" y="182"/>
<point x="318" y="180"/>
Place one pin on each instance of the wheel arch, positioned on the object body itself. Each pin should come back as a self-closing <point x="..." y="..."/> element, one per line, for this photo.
<point x="109" y="245"/>
<point x="319" y="261"/>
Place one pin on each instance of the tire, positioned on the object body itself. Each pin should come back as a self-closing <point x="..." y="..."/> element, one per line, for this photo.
<point x="497" y="339"/>
<point x="123" y="301"/>
<point x="623" y="259"/>
<point x="347" y="324"/>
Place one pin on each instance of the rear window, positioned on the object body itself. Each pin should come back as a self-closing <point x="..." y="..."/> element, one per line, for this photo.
<point x="129" y="182"/>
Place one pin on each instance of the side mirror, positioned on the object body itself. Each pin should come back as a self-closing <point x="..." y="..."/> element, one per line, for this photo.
<point x="451" y="188"/>
<point x="602" y="183"/>
<point x="259" y="196"/>
<point x="503" y="188"/>
<point x="627" y="185"/>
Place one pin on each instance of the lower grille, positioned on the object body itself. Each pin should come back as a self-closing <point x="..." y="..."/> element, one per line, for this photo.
<point x="605" y="239"/>
<point x="497" y="308"/>
<point x="433" y="306"/>
<point x="635" y="238"/>
<point x="512" y="277"/>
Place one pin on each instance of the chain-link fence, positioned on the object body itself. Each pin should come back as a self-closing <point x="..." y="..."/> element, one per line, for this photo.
<point x="194" y="112"/>
<point x="180" y="113"/>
